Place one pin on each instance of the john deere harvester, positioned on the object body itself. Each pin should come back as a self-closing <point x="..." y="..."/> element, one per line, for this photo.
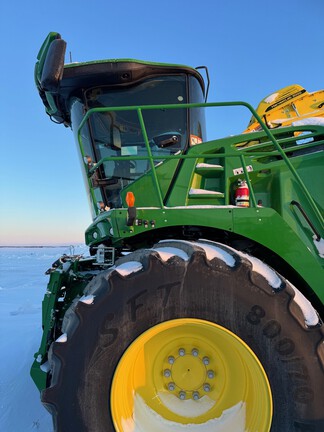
<point x="196" y="309"/>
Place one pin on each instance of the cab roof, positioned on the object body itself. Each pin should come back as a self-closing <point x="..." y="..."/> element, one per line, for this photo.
<point x="57" y="82"/>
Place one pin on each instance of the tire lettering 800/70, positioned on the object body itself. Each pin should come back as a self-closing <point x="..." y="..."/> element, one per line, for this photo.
<point x="284" y="347"/>
<point x="255" y="315"/>
<point x="271" y="329"/>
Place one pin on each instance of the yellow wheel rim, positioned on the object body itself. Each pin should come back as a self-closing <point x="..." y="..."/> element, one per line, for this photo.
<point x="193" y="375"/>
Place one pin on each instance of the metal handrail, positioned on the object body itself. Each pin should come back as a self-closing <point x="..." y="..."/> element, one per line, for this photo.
<point x="151" y="158"/>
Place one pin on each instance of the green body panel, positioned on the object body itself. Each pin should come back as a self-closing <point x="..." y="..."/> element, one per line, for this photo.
<point x="262" y="225"/>
<point x="164" y="173"/>
<point x="68" y="278"/>
<point x="189" y="194"/>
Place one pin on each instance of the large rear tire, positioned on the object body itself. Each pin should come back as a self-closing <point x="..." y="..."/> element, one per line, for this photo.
<point x="193" y="334"/>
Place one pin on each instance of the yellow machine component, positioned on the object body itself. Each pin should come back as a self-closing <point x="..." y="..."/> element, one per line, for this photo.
<point x="289" y="105"/>
<point x="190" y="373"/>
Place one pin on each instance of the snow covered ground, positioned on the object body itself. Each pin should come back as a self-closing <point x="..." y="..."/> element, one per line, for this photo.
<point x="22" y="287"/>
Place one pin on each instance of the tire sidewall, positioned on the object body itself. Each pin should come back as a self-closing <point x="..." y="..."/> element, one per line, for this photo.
<point x="235" y="298"/>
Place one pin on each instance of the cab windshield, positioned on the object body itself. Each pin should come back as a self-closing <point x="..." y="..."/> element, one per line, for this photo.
<point x="118" y="133"/>
<point x="122" y="128"/>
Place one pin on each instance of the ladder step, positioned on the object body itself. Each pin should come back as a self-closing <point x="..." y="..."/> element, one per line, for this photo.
<point x="208" y="170"/>
<point x="204" y="193"/>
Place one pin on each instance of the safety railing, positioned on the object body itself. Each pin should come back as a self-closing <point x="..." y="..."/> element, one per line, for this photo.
<point x="240" y="152"/>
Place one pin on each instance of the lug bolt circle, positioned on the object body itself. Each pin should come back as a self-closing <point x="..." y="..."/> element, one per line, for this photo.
<point x="171" y="386"/>
<point x="210" y="374"/>
<point x="195" y="395"/>
<point x="182" y="395"/>
<point x="171" y="359"/>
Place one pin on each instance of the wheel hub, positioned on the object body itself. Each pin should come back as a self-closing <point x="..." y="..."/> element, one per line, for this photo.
<point x="190" y="373"/>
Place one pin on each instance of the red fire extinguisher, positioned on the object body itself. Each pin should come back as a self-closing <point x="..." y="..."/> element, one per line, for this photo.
<point x="242" y="194"/>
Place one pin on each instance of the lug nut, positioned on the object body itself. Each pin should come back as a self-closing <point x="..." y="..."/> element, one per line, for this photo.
<point x="171" y="360"/>
<point x="195" y="352"/>
<point x="171" y="386"/>
<point x="210" y="374"/>
<point x="206" y="361"/>
<point x="195" y="395"/>
<point x="206" y="387"/>
<point x="182" y="395"/>
<point x="182" y="352"/>
<point x="167" y="373"/>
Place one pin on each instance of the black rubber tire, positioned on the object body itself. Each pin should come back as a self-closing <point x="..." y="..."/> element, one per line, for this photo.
<point x="269" y="317"/>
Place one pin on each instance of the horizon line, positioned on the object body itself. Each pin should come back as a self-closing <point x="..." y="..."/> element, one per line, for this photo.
<point x="43" y="246"/>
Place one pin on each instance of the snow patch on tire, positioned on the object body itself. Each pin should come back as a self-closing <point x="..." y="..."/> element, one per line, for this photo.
<point x="310" y="314"/>
<point x="62" y="338"/>
<point x="211" y="250"/>
<point x="129" y="267"/>
<point x="45" y="367"/>
<point x="264" y="270"/>
<point x="217" y="252"/>
<point x="87" y="299"/>
<point x="168" y="252"/>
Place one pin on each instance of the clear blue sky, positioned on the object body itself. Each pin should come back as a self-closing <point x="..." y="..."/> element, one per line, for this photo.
<point x="251" y="48"/>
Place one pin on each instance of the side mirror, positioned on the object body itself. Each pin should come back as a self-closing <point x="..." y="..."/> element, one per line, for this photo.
<point x="53" y="66"/>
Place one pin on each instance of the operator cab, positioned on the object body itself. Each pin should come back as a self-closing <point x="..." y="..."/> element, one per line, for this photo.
<point x="111" y="133"/>
<point x="118" y="133"/>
